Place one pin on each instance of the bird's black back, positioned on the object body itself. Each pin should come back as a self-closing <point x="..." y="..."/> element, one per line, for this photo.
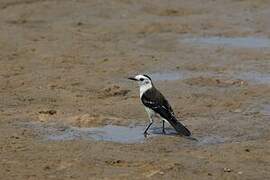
<point x="154" y="100"/>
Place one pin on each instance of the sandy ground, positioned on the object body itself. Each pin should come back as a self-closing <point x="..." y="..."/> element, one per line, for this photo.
<point x="67" y="62"/>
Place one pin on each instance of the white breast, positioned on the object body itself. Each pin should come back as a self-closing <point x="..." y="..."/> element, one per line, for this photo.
<point x="144" y="88"/>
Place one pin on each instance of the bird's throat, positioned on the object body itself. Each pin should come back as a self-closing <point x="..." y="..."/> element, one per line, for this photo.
<point x="144" y="88"/>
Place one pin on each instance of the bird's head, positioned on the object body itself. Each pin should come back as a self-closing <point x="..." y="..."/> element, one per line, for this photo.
<point x="142" y="80"/>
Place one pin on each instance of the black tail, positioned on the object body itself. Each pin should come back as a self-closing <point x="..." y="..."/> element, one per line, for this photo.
<point x="179" y="127"/>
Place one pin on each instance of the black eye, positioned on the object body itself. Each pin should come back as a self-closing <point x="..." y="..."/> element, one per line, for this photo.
<point x="141" y="79"/>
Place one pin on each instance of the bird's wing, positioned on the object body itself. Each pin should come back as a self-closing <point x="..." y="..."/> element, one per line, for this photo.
<point x="154" y="100"/>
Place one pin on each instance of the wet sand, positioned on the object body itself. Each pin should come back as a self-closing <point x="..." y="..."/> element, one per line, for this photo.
<point x="67" y="106"/>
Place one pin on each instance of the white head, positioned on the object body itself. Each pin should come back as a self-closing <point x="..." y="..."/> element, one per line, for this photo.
<point x="144" y="82"/>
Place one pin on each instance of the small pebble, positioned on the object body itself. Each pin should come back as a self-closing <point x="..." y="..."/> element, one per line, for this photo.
<point x="227" y="170"/>
<point x="51" y="112"/>
<point x="47" y="167"/>
<point x="237" y="110"/>
<point x="79" y="23"/>
<point x="247" y="150"/>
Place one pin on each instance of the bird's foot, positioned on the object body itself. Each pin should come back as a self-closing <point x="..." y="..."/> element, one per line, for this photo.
<point x="146" y="134"/>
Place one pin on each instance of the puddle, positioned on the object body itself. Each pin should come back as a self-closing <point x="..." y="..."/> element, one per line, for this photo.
<point x="210" y="140"/>
<point x="252" y="76"/>
<point x="112" y="133"/>
<point x="178" y="75"/>
<point x="246" y="42"/>
<point x="266" y="110"/>
<point x="107" y="133"/>
<point x="168" y="76"/>
<point x="256" y="77"/>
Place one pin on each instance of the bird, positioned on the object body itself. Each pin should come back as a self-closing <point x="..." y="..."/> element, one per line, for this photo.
<point x="156" y="105"/>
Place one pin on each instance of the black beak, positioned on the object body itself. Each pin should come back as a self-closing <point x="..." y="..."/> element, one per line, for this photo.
<point x="132" y="78"/>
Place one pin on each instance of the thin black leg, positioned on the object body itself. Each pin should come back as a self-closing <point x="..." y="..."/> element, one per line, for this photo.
<point x="163" y="127"/>
<point x="145" y="132"/>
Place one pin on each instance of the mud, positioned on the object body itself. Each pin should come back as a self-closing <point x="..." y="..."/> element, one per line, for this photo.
<point x="242" y="42"/>
<point x="68" y="111"/>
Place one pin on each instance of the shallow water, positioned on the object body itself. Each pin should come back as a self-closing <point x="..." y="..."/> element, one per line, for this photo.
<point x="178" y="75"/>
<point x="246" y="42"/>
<point x="266" y="110"/>
<point x="209" y="140"/>
<point x="169" y="76"/>
<point x="253" y="76"/>
<point x="112" y="133"/>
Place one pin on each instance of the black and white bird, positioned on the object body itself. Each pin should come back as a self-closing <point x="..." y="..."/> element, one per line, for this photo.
<point x="156" y="105"/>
